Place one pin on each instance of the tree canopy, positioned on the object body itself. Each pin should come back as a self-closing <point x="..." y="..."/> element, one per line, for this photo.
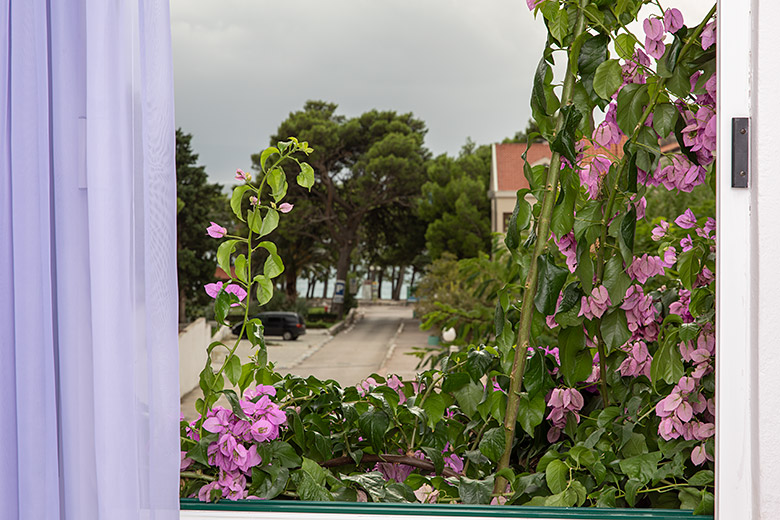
<point x="364" y="164"/>
<point x="199" y="203"/>
<point x="455" y="203"/>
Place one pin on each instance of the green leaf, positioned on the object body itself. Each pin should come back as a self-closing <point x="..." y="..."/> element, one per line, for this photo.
<point x="632" y="487"/>
<point x="707" y="504"/>
<point x="270" y="222"/>
<point x="563" y="212"/>
<point x="667" y="363"/>
<point x="235" y="405"/>
<point x="310" y="490"/>
<point x="373" y="424"/>
<point x="233" y="369"/>
<point x="583" y="456"/>
<point x="538" y="97"/>
<point x="493" y="443"/>
<point x="224" y="252"/>
<point x="704" y="477"/>
<point x="576" y="363"/>
<point x="608" y="78"/>
<point x="306" y="177"/>
<point x="373" y="482"/>
<point x="455" y="381"/>
<point x="254" y="220"/>
<point x="434" y="407"/>
<point x="664" y="119"/>
<point x="535" y="373"/>
<point x="608" y="416"/>
<point x="468" y="397"/>
<point x="273" y="266"/>
<point x="624" y="45"/>
<point x="626" y="237"/>
<point x="273" y="484"/>
<point x="689" y="498"/>
<point x="556" y="475"/>
<point x="688" y="267"/>
<point x="222" y="306"/>
<point x="551" y="280"/>
<point x="475" y="491"/>
<point x="265" y="289"/>
<point x="278" y="184"/>
<point x="267" y="153"/>
<point x="559" y="27"/>
<point x="614" y="329"/>
<point x="530" y="412"/>
<point x="631" y="101"/>
<point x="616" y="280"/>
<point x="593" y="52"/>
<point x="435" y="456"/>
<point x="520" y="219"/>
<point x="241" y="272"/>
<point x="235" y="200"/>
<point x="564" y="142"/>
<point x="641" y="467"/>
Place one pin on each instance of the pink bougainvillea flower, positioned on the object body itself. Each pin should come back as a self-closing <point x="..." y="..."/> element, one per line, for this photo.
<point x="709" y="36"/>
<point x="285" y="207"/>
<point x="212" y="289"/>
<point x="673" y="20"/>
<point x="593" y="173"/>
<point x="595" y="305"/>
<point x="645" y="267"/>
<point x="254" y="201"/>
<point x="216" y="231"/>
<point x="533" y="3"/>
<point x="237" y="290"/>
<point x="670" y="256"/>
<point x="654" y="37"/>
<point x="686" y="243"/>
<point x="568" y="248"/>
<point x="699" y="455"/>
<point x="241" y="175"/>
<point x="654" y="28"/>
<point x="660" y="230"/>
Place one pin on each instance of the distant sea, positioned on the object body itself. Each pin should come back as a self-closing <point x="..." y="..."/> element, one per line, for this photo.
<point x="387" y="288"/>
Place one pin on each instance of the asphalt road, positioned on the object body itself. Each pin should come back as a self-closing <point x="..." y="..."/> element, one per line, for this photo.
<point x="349" y="357"/>
<point x="358" y="351"/>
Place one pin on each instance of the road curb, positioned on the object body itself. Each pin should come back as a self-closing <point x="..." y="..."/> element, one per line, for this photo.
<point x="391" y="348"/>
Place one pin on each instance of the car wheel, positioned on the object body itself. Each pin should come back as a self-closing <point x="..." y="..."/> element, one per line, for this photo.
<point x="287" y="335"/>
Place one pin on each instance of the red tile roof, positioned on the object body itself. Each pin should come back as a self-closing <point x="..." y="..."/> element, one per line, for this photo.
<point x="509" y="164"/>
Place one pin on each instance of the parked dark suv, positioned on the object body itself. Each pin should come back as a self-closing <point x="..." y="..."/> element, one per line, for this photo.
<point x="288" y="325"/>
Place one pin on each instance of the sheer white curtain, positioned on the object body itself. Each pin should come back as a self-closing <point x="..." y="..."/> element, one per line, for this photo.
<point x="88" y="321"/>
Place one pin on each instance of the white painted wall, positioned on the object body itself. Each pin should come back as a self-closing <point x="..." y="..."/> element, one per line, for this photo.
<point x="748" y="435"/>
<point x="766" y="164"/>
<point x="193" y="341"/>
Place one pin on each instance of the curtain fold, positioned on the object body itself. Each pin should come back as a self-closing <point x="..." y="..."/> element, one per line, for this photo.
<point x="88" y="297"/>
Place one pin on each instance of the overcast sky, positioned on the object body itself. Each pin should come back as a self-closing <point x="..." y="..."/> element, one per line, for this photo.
<point x="463" y="66"/>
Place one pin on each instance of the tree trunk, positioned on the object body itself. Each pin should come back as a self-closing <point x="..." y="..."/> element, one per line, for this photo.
<point x="325" y="285"/>
<point x="342" y="269"/>
<point x="182" y="306"/>
<point x="399" y="282"/>
<point x="414" y="273"/>
<point x="379" y="284"/>
<point x="290" y="283"/>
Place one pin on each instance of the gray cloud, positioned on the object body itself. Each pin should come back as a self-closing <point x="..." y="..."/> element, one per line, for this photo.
<point x="241" y="66"/>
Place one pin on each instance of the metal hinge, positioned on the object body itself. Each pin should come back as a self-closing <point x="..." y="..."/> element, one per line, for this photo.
<point x="740" y="152"/>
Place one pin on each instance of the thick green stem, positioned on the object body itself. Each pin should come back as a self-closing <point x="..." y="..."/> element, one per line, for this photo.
<point x="532" y="279"/>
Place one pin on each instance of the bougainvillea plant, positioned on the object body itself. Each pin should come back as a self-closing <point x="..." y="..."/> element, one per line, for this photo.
<point x="596" y="385"/>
